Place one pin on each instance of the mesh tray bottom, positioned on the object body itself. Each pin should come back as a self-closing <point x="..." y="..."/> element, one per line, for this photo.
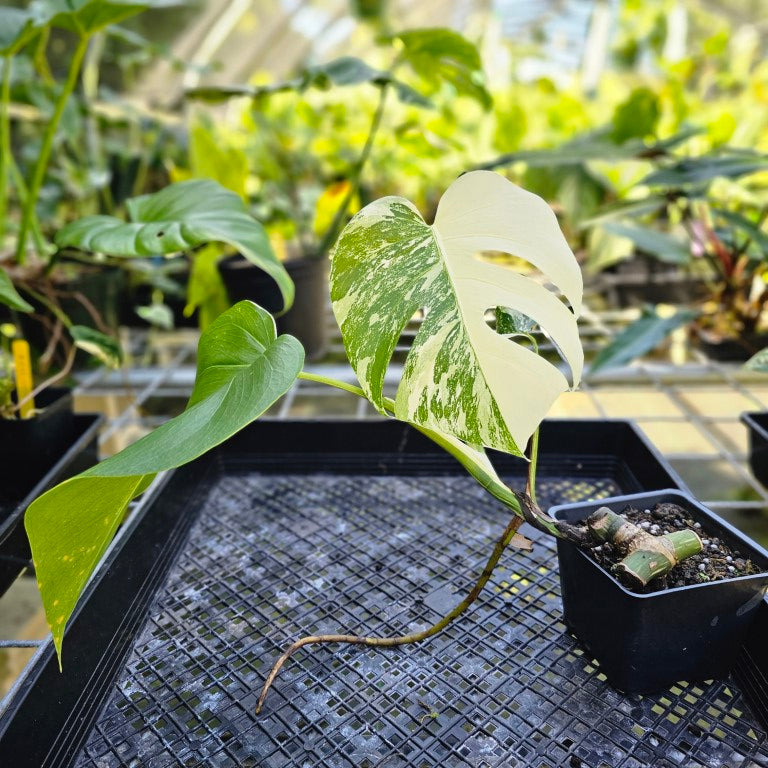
<point x="272" y="558"/>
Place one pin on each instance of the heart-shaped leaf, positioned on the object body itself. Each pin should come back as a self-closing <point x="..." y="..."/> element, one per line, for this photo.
<point x="10" y="296"/>
<point x="243" y="368"/>
<point x="460" y="377"/>
<point x="179" y="218"/>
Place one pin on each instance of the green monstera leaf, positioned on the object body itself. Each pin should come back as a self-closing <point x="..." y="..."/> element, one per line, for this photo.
<point x="180" y="217"/>
<point x="243" y="368"/>
<point x="460" y="377"/>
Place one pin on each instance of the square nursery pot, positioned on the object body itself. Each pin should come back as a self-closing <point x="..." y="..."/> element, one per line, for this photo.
<point x="35" y="454"/>
<point x="646" y="642"/>
<point x="28" y="444"/>
<point x="757" y="424"/>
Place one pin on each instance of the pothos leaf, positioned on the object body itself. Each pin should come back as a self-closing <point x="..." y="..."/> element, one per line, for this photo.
<point x="178" y="218"/>
<point x="460" y="376"/>
<point x="243" y="367"/>
<point x="102" y="347"/>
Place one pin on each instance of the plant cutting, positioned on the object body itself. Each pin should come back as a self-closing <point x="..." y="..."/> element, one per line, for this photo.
<point x="465" y="385"/>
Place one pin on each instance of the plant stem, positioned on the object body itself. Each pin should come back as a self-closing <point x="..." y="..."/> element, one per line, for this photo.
<point x="50" y="305"/>
<point x="530" y="487"/>
<point x="45" y="150"/>
<point x="5" y="142"/>
<point x="22" y="192"/>
<point x="332" y="233"/>
<point x="414" y="637"/>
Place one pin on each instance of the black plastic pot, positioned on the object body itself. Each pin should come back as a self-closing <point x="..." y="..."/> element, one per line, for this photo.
<point x="28" y="444"/>
<point x="646" y="642"/>
<point x="757" y="424"/>
<point x="730" y="350"/>
<point x="35" y="454"/>
<point x="306" y="319"/>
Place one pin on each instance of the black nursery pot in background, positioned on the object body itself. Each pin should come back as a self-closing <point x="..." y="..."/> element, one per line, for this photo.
<point x="28" y="444"/>
<point x="306" y="318"/>
<point x="646" y="642"/>
<point x="757" y="424"/>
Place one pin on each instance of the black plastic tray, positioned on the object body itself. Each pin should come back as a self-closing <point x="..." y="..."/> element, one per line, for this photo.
<point x="294" y="528"/>
<point x="21" y="484"/>
<point x="757" y="424"/>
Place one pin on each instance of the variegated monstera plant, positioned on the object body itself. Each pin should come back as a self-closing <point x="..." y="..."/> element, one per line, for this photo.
<point x="466" y="384"/>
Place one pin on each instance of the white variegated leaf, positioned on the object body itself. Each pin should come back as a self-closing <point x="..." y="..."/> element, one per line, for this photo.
<point x="460" y="377"/>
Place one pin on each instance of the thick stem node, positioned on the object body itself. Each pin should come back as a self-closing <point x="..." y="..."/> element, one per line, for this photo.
<point x="646" y="557"/>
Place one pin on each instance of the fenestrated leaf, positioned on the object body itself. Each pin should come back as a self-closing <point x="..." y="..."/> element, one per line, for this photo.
<point x="758" y="362"/>
<point x="664" y="247"/>
<point x="10" y="296"/>
<point x="640" y="337"/>
<point x="178" y="218"/>
<point x="243" y="367"/>
<point x="98" y="344"/>
<point x="460" y="377"/>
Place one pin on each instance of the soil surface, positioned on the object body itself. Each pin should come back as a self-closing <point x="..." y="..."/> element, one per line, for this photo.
<point x="716" y="561"/>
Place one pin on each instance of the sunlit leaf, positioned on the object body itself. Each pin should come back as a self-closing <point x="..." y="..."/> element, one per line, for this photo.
<point x="442" y="55"/>
<point x="636" y="117"/>
<point x="460" y="376"/>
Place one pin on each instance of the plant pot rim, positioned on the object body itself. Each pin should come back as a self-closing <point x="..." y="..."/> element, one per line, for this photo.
<point x="743" y="539"/>
<point x="750" y="419"/>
